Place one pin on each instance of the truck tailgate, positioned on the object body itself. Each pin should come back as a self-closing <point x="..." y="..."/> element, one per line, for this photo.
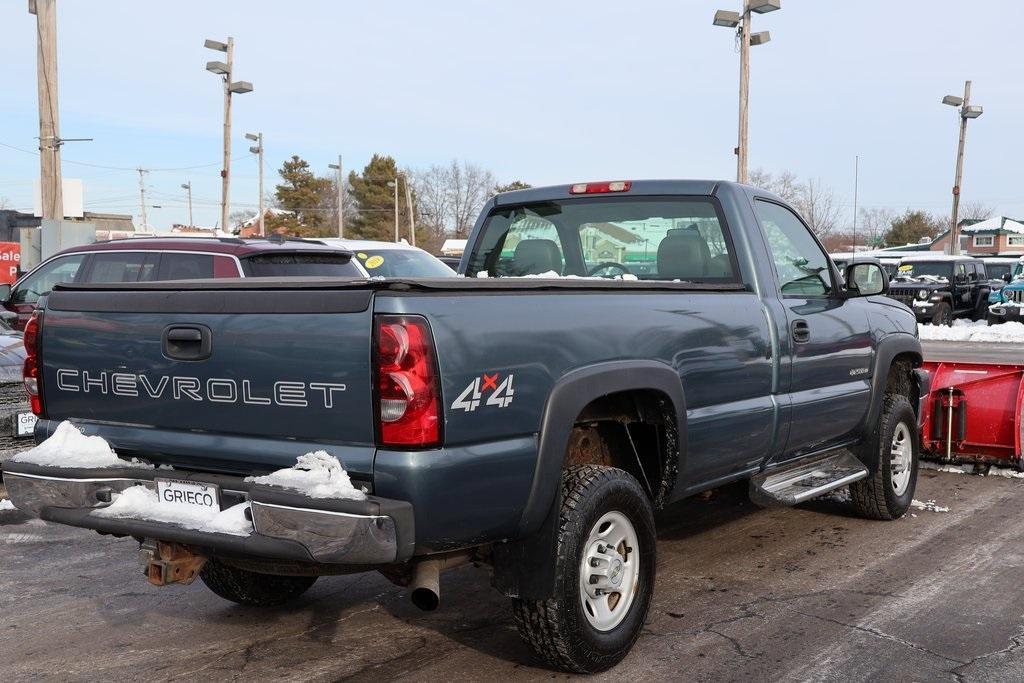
<point x="264" y="365"/>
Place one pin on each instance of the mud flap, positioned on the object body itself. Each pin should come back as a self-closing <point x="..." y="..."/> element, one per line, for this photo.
<point x="525" y="568"/>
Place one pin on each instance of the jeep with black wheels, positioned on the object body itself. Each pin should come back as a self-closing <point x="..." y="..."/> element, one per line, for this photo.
<point x="939" y="289"/>
<point x="614" y="347"/>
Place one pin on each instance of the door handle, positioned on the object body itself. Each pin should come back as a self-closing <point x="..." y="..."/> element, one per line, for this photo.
<point x="801" y="331"/>
<point x="187" y="342"/>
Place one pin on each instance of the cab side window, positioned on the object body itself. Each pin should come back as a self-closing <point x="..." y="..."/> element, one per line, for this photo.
<point x="127" y="266"/>
<point x="801" y="265"/>
<point x="63" y="269"/>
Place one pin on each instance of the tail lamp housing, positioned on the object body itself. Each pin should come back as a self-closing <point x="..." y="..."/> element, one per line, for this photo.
<point x="30" y="369"/>
<point x="409" y="411"/>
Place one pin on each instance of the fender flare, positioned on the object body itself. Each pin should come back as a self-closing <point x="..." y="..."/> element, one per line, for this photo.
<point x="888" y="348"/>
<point x="567" y="399"/>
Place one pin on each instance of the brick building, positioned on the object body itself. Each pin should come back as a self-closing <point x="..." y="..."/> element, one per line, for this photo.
<point x="996" y="235"/>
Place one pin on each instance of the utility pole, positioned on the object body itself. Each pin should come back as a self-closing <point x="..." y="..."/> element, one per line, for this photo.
<point x="225" y="69"/>
<point x="49" y="118"/>
<point x="396" y="208"/>
<point x="746" y="40"/>
<point x="258" y="151"/>
<point x="188" y="186"/>
<point x="408" y="204"/>
<point x="142" y="195"/>
<point x="340" y="182"/>
<point x="967" y="111"/>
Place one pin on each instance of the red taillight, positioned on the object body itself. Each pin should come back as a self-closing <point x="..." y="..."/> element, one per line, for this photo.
<point x="408" y="387"/>
<point x="30" y="370"/>
<point x="601" y="188"/>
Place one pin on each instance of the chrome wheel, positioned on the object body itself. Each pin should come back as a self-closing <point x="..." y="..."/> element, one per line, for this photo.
<point x="902" y="459"/>
<point x="609" y="571"/>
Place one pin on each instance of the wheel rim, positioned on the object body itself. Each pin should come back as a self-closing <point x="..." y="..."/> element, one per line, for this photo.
<point x="902" y="458"/>
<point x="609" y="571"/>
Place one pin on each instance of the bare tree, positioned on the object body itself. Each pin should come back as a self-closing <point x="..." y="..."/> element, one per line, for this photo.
<point x="974" y="211"/>
<point x="433" y="199"/>
<point x="817" y="204"/>
<point x="873" y="223"/>
<point x="450" y="197"/>
<point x="785" y="184"/>
<point x="4" y="203"/>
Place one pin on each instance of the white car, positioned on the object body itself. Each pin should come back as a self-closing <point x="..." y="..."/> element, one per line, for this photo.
<point x="392" y="259"/>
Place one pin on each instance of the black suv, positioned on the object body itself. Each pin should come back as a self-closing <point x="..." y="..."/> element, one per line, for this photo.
<point x="940" y="288"/>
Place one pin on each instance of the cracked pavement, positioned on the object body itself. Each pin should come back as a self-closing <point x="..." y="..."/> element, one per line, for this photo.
<point x="811" y="593"/>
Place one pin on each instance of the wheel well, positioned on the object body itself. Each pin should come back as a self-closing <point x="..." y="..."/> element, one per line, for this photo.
<point x="635" y="431"/>
<point x="900" y="379"/>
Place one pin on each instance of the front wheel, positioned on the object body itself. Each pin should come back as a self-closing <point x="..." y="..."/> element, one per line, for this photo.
<point x="891" y="456"/>
<point x="943" y="314"/>
<point x="604" y="573"/>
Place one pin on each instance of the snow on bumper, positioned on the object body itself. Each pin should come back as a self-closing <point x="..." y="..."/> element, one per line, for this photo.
<point x="286" y="525"/>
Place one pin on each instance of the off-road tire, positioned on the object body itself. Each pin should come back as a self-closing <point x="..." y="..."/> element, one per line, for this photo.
<point x="874" y="497"/>
<point x="943" y="314"/>
<point x="251" y="588"/>
<point x="556" y="629"/>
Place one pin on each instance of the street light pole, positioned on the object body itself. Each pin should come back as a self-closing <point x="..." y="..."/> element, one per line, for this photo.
<point x="225" y="69"/>
<point x="746" y="40"/>
<point x="408" y="205"/>
<point x="142" y="196"/>
<point x="258" y="150"/>
<point x="340" y="182"/>
<point x="51" y="192"/>
<point x="188" y="186"/>
<point x="395" y="185"/>
<point x="967" y="111"/>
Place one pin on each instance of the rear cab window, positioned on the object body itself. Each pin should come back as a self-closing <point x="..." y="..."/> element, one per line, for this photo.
<point x="635" y="238"/>
<point x="297" y="264"/>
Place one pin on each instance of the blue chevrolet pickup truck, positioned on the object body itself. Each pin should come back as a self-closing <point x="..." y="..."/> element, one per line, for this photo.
<point x="610" y="349"/>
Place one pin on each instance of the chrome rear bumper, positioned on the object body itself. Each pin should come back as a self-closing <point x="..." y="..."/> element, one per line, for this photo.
<point x="286" y="525"/>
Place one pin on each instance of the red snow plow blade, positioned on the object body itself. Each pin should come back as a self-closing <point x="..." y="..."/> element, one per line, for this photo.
<point x="973" y="413"/>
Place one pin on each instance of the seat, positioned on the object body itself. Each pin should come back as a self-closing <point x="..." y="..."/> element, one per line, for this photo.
<point x="536" y="256"/>
<point x="683" y="255"/>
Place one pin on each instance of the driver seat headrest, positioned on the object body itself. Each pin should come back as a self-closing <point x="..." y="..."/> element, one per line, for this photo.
<point x="536" y="256"/>
<point x="683" y="255"/>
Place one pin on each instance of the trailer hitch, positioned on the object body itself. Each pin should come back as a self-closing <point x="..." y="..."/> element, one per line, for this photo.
<point x="166" y="563"/>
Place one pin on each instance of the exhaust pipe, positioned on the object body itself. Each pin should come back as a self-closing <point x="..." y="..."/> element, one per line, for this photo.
<point x="426" y="581"/>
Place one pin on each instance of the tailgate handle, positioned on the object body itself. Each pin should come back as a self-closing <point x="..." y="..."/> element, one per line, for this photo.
<point x="187" y="342"/>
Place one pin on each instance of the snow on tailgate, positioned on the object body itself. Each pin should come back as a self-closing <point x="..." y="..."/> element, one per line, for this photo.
<point x="317" y="475"/>
<point x="68" y="447"/>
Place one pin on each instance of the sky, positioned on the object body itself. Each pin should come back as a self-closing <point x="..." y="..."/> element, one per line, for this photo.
<point x="545" y="92"/>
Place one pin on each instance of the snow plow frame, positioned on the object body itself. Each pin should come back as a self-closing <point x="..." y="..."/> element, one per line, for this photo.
<point x="973" y="413"/>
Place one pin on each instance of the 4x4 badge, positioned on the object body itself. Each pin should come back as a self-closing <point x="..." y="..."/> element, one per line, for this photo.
<point x="501" y="392"/>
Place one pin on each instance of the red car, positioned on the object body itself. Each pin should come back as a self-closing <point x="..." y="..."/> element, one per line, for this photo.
<point x="176" y="258"/>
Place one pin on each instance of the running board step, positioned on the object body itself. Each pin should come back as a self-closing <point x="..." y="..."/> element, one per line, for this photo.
<point x="806" y="480"/>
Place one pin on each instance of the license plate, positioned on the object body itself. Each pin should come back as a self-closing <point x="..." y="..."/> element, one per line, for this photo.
<point x="193" y="494"/>
<point x="25" y="424"/>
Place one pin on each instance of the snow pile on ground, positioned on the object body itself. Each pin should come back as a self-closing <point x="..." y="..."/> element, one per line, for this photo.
<point x="1004" y="472"/>
<point x="317" y="475"/>
<point x="953" y="469"/>
<point x="68" y="447"/>
<point x="929" y="505"/>
<point x="968" y="330"/>
<point x="139" y="502"/>
<point x="6" y="505"/>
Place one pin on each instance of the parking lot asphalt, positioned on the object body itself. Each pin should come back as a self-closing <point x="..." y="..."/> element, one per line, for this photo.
<point x="743" y="593"/>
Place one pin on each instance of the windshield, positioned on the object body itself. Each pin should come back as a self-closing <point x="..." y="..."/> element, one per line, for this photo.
<point x="402" y="263"/>
<point x="926" y="269"/>
<point x="996" y="271"/>
<point x="300" y="264"/>
<point x="646" y="238"/>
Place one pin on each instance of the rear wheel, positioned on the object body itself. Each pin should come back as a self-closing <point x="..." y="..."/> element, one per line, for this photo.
<point x="251" y="588"/>
<point x="604" y="573"/>
<point x="943" y="314"/>
<point x="891" y="456"/>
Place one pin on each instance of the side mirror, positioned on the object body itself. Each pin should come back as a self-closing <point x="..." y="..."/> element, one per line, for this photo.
<point x="1006" y="277"/>
<point x="866" y="279"/>
<point x="9" y="318"/>
<point x="5" y="293"/>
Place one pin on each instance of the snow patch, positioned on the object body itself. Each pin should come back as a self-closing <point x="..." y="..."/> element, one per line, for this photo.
<point x="140" y="502"/>
<point x="929" y="505"/>
<point x="840" y="495"/>
<point x="552" y="275"/>
<point x="6" y="505"/>
<point x="1004" y="472"/>
<point x="974" y="331"/>
<point x="68" y="447"/>
<point x="953" y="469"/>
<point x="317" y="475"/>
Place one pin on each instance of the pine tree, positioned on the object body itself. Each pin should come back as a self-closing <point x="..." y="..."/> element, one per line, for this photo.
<point x="375" y="201"/>
<point x="304" y="195"/>
<point x="509" y="187"/>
